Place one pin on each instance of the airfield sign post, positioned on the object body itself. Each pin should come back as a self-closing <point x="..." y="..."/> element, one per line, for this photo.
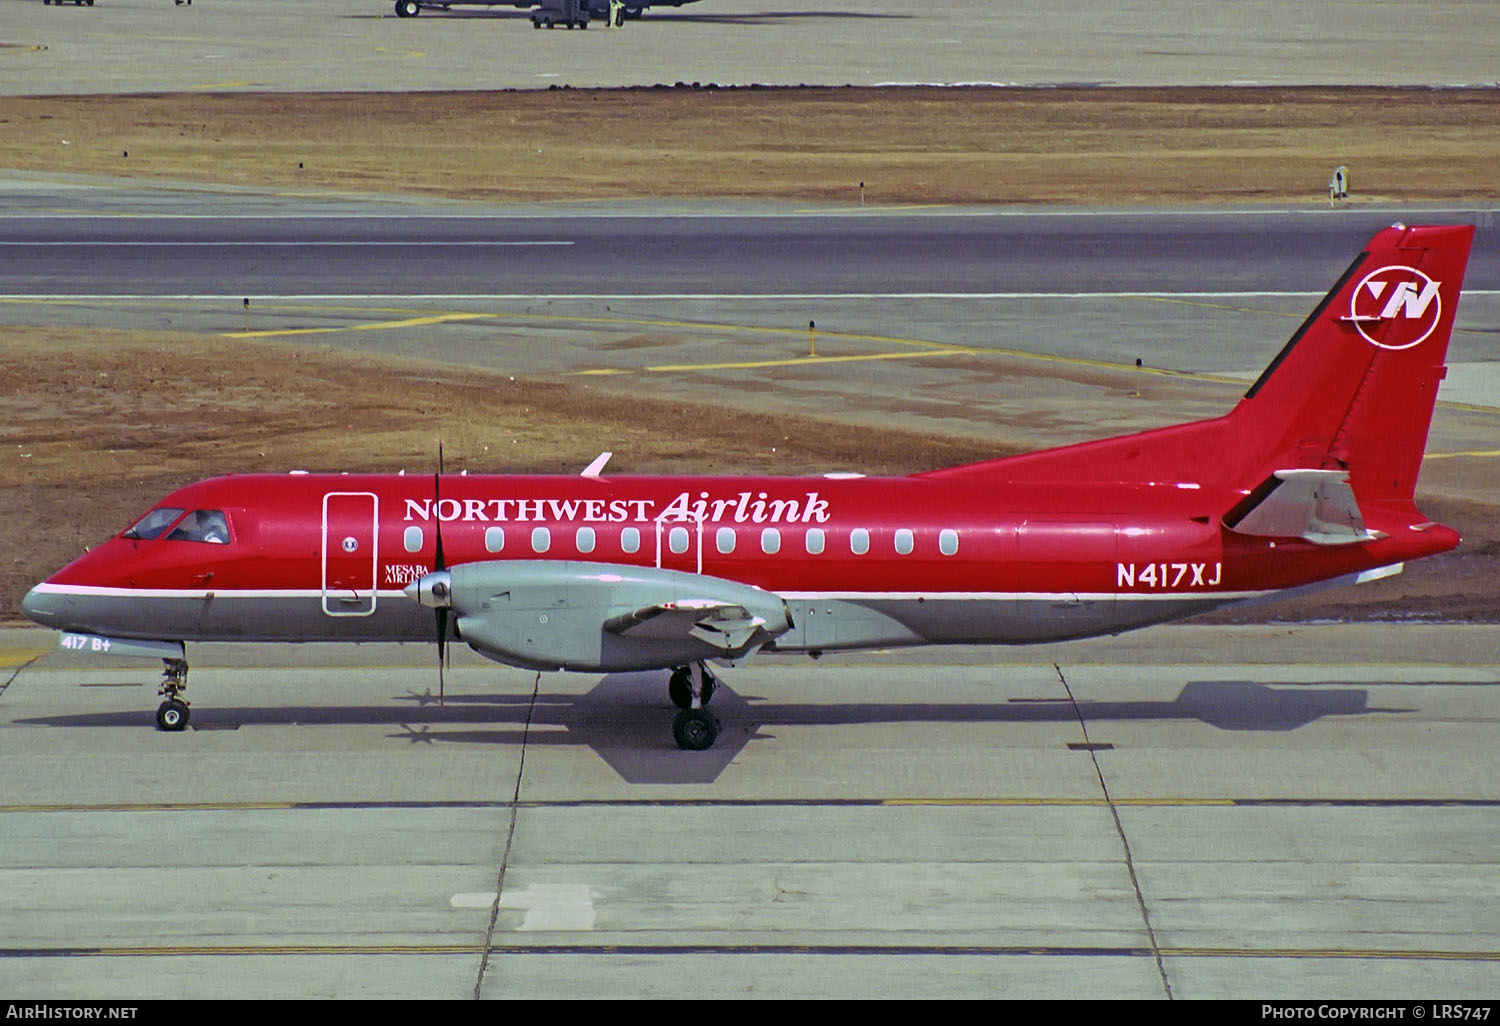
<point x="1338" y="185"/>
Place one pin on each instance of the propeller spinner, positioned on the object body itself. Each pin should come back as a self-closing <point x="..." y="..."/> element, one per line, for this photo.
<point x="434" y="590"/>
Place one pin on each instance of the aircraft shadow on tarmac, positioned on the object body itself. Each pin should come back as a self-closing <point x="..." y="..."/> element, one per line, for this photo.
<point x="633" y="734"/>
<point x="655" y="17"/>
<point x="767" y="17"/>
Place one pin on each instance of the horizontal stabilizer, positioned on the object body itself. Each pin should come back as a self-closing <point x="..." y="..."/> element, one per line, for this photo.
<point x="1314" y="505"/>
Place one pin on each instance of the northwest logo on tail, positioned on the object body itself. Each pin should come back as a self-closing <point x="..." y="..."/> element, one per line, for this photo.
<point x="1401" y="297"/>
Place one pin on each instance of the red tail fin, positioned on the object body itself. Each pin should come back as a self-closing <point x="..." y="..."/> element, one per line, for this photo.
<point x="1353" y="390"/>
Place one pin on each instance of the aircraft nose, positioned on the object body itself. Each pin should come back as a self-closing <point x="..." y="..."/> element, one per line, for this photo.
<point x="40" y="606"/>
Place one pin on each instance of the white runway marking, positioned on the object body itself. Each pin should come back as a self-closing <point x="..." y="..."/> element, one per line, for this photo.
<point x="553" y="906"/>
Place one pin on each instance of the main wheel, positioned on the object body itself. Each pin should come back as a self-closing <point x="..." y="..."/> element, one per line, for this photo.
<point x="408" y="8"/>
<point x="172" y="715"/>
<point x="696" y="730"/>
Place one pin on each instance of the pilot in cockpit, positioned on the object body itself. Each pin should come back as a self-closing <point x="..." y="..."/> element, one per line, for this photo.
<point x="202" y="525"/>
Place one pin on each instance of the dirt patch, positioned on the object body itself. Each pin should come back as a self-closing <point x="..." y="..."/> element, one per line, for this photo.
<point x="906" y="145"/>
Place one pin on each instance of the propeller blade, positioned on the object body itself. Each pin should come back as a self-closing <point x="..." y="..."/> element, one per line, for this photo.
<point x="435" y="591"/>
<point x="442" y="625"/>
<point x="437" y="504"/>
<point x="441" y="564"/>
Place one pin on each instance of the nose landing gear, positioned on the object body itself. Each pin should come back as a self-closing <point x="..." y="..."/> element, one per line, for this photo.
<point x="172" y="715"/>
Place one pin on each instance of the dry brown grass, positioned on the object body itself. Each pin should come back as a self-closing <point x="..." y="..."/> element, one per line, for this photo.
<point x="909" y="145"/>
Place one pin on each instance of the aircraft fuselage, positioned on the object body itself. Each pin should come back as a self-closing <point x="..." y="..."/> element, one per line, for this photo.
<point x="859" y="562"/>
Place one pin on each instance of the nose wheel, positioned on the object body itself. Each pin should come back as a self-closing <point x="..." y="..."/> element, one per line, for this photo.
<point x="690" y="687"/>
<point x="172" y="715"/>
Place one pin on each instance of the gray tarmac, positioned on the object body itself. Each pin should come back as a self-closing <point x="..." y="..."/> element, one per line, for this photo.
<point x="775" y="250"/>
<point x="120" y="46"/>
<point x="1298" y="812"/>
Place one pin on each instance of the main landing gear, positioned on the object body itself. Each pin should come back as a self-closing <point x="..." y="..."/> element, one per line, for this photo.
<point x="172" y="715"/>
<point x="690" y="688"/>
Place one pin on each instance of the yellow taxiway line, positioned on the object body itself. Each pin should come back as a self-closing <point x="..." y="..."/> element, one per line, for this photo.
<point x="411" y="322"/>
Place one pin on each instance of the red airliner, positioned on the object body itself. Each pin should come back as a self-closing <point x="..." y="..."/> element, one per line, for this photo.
<point x="1309" y="480"/>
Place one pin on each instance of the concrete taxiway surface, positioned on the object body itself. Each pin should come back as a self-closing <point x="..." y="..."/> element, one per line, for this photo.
<point x="1194" y="812"/>
<point x="122" y="45"/>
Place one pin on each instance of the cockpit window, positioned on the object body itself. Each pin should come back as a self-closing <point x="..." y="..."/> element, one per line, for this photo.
<point x="152" y="524"/>
<point x="202" y="525"/>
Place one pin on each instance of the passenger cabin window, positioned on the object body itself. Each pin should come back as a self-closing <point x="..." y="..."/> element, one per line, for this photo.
<point x="494" y="539"/>
<point x="585" y="540"/>
<point x="630" y="539"/>
<point x="152" y="524"/>
<point x="770" y="541"/>
<point x="725" y="540"/>
<point x="815" y="541"/>
<point x="859" y="541"/>
<point x="202" y="525"/>
<point x="678" y="539"/>
<point x="948" y="541"/>
<point x="411" y="539"/>
<point x="541" y="539"/>
<point x="904" y="542"/>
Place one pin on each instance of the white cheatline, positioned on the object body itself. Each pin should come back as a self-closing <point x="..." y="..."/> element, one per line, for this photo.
<point x="95" y="591"/>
